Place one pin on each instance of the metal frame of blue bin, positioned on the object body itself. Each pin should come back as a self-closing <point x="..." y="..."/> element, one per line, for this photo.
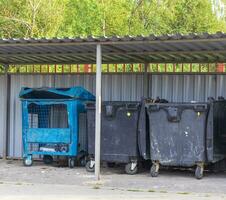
<point x="73" y="98"/>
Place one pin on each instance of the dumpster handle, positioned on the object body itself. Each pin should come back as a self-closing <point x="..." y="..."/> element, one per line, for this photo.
<point x="200" y="107"/>
<point x="153" y="107"/>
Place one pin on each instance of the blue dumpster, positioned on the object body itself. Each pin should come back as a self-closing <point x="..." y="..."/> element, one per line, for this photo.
<point x="50" y="118"/>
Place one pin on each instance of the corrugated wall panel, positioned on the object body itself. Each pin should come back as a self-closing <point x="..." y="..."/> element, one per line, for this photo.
<point x="221" y="85"/>
<point x="210" y="86"/>
<point x="15" y="135"/>
<point x="117" y="87"/>
<point x="177" y="95"/>
<point x="188" y="88"/>
<point x="199" y="88"/>
<point x="114" y="88"/>
<point x="155" y="86"/>
<point x="167" y="87"/>
<point x="106" y="90"/>
<point x="3" y="99"/>
<point x="87" y="81"/>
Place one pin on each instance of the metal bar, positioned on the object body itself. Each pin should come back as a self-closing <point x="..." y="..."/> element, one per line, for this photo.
<point x="110" y="42"/>
<point x="119" y="53"/>
<point x="7" y="110"/>
<point x="98" y="111"/>
<point x="120" y="61"/>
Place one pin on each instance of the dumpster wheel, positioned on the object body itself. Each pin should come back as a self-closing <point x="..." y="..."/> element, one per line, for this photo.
<point x="154" y="171"/>
<point x="27" y="161"/>
<point x="131" y="168"/>
<point x="199" y="171"/>
<point x="47" y="159"/>
<point x="90" y="166"/>
<point x="71" y="162"/>
<point x="111" y="164"/>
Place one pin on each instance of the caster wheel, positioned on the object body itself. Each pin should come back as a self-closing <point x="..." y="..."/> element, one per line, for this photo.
<point x="199" y="172"/>
<point x="154" y="171"/>
<point x="131" y="168"/>
<point x="90" y="166"/>
<point x="82" y="162"/>
<point x="47" y="159"/>
<point x="111" y="164"/>
<point x="71" y="162"/>
<point x="27" y="162"/>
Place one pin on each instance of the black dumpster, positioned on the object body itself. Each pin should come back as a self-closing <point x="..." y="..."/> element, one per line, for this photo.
<point x="118" y="134"/>
<point x="186" y="134"/>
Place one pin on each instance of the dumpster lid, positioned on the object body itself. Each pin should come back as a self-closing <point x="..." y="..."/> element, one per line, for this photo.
<point x="56" y="93"/>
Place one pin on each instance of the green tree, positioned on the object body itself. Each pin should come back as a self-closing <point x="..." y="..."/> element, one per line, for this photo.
<point x="30" y="18"/>
<point x="81" y="18"/>
<point x="70" y="18"/>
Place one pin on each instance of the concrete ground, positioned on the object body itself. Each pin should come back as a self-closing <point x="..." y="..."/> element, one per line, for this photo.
<point x="51" y="182"/>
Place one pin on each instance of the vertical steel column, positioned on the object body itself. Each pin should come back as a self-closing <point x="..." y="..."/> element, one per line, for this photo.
<point x="7" y="111"/>
<point x="98" y="111"/>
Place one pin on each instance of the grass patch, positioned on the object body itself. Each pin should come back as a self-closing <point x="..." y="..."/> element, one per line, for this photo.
<point x="183" y="193"/>
<point x="162" y="191"/>
<point x="96" y="187"/>
<point x="18" y="184"/>
<point x="1" y="182"/>
<point x="151" y="191"/>
<point x="134" y="190"/>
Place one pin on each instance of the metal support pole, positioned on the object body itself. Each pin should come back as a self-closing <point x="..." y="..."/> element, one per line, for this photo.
<point x="98" y="111"/>
<point x="146" y="81"/>
<point x="6" y="111"/>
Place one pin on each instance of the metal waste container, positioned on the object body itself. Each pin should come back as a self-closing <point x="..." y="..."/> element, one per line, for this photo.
<point x="118" y="134"/>
<point x="50" y="122"/>
<point x="186" y="134"/>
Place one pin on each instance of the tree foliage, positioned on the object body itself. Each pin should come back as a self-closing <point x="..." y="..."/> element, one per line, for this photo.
<point x="70" y="18"/>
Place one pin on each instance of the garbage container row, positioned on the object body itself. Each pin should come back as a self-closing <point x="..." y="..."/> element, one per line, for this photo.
<point x="166" y="134"/>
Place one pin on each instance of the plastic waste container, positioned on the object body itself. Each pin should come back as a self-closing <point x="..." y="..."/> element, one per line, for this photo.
<point x="50" y="122"/>
<point x="118" y="134"/>
<point x="186" y="134"/>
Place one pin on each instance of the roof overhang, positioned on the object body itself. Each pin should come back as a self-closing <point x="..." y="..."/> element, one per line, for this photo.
<point x="203" y="48"/>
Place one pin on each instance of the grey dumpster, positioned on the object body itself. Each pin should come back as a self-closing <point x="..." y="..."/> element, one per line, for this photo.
<point x="186" y="134"/>
<point x="118" y="134"/>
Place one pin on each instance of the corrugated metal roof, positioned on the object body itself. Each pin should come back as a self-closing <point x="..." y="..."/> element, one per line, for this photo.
<point x="139" y="49"/>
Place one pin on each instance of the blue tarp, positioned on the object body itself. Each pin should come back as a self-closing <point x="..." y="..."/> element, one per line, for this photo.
<point x="56" y="93"/>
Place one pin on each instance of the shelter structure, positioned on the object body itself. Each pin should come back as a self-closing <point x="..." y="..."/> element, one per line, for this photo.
<point x="176" y="67"/>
